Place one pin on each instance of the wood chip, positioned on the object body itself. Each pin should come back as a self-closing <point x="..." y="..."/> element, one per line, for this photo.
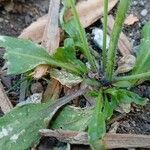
<point x="124" y="45"/>
<point x="110" y="140"/>
<point x="131" y="19"/>
<point x="5" y="104"/>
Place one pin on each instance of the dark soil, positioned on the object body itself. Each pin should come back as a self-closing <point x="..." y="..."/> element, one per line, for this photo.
<point x="13" y="22"/>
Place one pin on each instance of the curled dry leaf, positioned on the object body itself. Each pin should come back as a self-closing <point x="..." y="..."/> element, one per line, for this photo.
<point x="31" y="31"/>
<point x="131" y="19"/>
<point x="39" y="71"/>
<point x="126" y="64"/>
<point x="89" y="12"/>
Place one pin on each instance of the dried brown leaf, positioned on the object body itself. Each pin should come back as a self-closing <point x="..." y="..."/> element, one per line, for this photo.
<point x="52" y="91"/>
<point x="126" y="64"/>
<point x="131" y="19"/>
<point x="89" y="12"/>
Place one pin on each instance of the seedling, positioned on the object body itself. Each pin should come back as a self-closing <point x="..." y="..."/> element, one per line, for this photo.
<point x="109" y="90"/>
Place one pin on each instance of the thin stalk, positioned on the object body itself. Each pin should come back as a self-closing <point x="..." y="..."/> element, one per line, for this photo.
<point x="120" y="17"/>
<point x="83" y="36"/>
<point x="67" y="66"/>
<point x="104" y="52"/>
<point x="134" y="77"/>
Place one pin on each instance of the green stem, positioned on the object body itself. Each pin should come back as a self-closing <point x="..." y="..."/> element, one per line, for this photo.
<point x="83" y="36"/>
<point x="134" y="77"/>
<point x="120" y="17"/>
<point x="104" y="52"/>
<point x="66" y="66"/>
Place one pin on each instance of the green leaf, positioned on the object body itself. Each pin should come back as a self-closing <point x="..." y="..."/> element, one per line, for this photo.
<point x="125" y="96"/>
<point x="24" y="55"/>
<point x="67" y="54"/>
<point x="65" y="78"/>
<point x="97" y="126"/>
<point x="111" y="55"/>
<point x="75" y="30"/>
<point x="143" y="54"/>
<point x="108" y="109"/>
<point x="122" y="84"/>
<point x="72" y="118"/>
<point x="19" y="128"/>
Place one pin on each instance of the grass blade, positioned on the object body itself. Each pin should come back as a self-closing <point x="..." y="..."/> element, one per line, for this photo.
<point x="134" y="77"/>
<point x="104" y="52"/>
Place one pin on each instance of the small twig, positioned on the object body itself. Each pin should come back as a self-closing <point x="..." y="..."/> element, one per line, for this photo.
<point x="5" y="104"/>
<point x="110" y="140"/>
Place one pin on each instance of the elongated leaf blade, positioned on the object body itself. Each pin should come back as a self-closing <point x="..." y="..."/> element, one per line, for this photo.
<point x="97" y="126"/>
<point x="143" y="54"/>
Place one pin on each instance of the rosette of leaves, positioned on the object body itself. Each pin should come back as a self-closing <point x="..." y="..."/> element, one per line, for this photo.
<point x="108" y="90"/>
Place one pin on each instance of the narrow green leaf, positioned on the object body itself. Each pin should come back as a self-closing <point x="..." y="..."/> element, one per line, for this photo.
<point x="104" y="52"/>
<point x="140" y="76"/>
<point x="111" y="57"/>
<point x="77" y="32"/>
<point x="97" y="126"/>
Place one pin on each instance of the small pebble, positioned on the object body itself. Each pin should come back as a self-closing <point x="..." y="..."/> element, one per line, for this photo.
<point x="144" y="12"/>
<point x="98" y="38"/>
<point x="1" y="19"/>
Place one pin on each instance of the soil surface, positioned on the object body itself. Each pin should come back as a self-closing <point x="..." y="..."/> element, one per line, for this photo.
<point x="27" y="11"/>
